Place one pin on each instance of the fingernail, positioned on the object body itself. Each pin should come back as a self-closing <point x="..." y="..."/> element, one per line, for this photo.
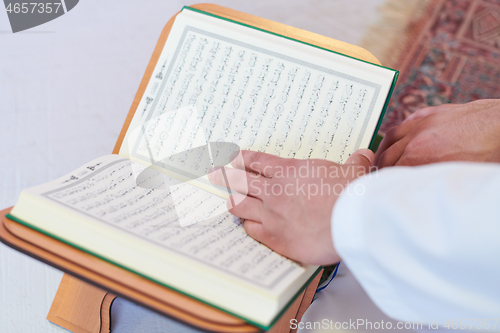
<point x="368" y="154"/>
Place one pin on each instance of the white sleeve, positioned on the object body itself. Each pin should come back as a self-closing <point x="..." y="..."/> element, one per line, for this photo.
<point x="424" y="242"/>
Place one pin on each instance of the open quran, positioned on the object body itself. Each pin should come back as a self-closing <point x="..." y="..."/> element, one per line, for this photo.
<point x="218" y="86"/>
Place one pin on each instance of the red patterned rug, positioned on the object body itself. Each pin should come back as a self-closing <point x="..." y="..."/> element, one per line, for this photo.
<point x="452" y="55"/>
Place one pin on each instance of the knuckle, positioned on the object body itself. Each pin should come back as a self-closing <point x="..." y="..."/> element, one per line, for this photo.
<point x="412" y="146"/>
<point x="391" y="133"/>
<point x="437" y="108"/>
<point x="255" y="158"/>
<point x="255" y="161"/>
<point x="408" y="158"/>
<point x="414" y="152"/>
<point x="384" y="159"/>
<point x="425" y="123"/>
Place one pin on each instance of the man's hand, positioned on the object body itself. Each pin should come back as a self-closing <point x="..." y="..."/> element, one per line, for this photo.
<point x="287" y="203"/>
<point x="449" y="132"/>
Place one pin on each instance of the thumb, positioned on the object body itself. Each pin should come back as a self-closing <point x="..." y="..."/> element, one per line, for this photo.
<point x="363" y="158"/>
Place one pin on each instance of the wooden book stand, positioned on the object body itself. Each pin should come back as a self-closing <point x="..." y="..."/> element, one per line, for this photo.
<point x="82" y="304"/>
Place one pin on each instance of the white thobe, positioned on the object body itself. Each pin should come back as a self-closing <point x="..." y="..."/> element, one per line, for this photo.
<point x="424" y="242"/>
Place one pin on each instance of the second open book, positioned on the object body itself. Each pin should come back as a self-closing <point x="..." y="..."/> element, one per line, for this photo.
<point x="218" y="86"/>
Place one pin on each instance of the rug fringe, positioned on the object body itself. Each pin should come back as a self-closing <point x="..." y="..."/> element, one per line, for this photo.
<point x="389" y="35"/>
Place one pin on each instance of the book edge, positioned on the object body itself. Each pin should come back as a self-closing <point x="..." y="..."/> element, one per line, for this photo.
<point x="395" y="72"/>
<point x="283" y="36"/>
<point x="384" y="109"/>
<point x="252" y="322"/>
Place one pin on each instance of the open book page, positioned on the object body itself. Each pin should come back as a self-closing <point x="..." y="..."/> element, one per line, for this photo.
<point x="140" y="221"/>
<point x="218" y="81"/>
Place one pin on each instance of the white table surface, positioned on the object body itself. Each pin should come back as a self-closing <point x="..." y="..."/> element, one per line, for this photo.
<point x="65" y="90"/>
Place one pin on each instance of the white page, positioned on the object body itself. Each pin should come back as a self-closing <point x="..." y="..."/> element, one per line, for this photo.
<point x="174" y="215"/>
<point x="217" y="81"/>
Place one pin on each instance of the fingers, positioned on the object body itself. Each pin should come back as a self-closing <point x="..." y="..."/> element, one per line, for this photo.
<point x="393" y="136"/>
<point x="362" y="157"/>
<point x="245" y="207"/>
<point x="260" y="163"/>
<point x="383" y="157"/>
<point x="255" y="230"/>
<point x="392" y="155"/>
<point x="238" y="180"/>
<point x="361" y="161"/>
